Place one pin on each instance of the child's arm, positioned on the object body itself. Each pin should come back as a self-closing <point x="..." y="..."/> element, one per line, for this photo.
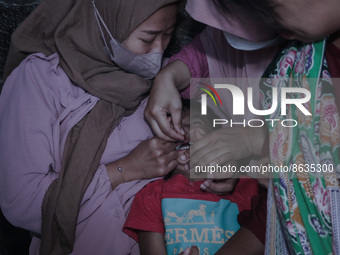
<point x="151" y="243"/>
<point x="242" y="242"/>
<point x="250" y="238"/>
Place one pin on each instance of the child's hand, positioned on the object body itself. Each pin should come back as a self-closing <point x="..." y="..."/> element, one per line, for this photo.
<point x="193" y="250"/>
<point x="219" y="187"/>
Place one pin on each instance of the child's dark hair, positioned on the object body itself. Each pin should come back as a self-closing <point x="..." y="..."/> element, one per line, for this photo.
<point x="194" y="104"/>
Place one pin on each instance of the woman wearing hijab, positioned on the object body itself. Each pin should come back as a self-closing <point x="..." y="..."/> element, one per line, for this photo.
<point x="74" y="144"/>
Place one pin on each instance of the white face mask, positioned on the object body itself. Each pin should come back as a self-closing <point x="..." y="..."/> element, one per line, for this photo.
<point x="240" y="43"/>
<point x="144" y="65"/>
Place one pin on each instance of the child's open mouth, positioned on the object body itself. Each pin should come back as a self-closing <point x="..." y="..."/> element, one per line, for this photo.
<point x="183" y="146"/>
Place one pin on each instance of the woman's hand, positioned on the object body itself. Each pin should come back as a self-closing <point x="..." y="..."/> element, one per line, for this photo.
<point x="164" y="108"/>
<point x="183" y="163"/>
<point x="226" y="145"/>
<point x="223" y="147"/>
<point x="164" y="111"/>
<point x="151" y="158"/>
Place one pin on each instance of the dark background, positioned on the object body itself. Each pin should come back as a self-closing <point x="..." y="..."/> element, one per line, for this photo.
<point x="12" y="13"/>
<point x="15" y="241"/>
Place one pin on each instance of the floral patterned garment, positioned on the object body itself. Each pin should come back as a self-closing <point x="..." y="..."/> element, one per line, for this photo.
<point x="307" y="204"/>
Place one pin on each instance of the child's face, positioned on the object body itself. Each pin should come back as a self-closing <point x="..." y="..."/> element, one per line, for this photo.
<point x="195" y="125"/>
<point x="307" y="20"/>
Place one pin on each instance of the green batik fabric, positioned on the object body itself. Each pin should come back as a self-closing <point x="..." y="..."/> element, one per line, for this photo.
<point x="303" y="198"/>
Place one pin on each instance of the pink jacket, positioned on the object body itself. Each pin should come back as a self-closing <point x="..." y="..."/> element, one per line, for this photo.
<point x="38" y="107"/>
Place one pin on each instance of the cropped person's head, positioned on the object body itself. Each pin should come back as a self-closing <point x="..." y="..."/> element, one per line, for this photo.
<point x="241" y="29"/>
<point x="304" y="20"/>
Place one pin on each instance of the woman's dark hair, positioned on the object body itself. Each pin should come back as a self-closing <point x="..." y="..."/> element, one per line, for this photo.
<point x="262" y="9"/>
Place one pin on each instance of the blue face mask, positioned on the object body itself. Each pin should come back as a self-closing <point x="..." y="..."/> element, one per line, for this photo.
<point x="144" y="65"/>
<point x="240" y="43"/>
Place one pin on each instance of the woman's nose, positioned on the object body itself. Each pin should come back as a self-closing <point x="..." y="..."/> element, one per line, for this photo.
<point x="158" y="46"/>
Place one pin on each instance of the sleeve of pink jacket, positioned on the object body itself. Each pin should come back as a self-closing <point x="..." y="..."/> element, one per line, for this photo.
<point x="194" y="56"/>
<point x="26" y="142"/>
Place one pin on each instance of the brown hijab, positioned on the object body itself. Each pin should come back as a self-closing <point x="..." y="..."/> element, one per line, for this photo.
<point x="69" y="28"/>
